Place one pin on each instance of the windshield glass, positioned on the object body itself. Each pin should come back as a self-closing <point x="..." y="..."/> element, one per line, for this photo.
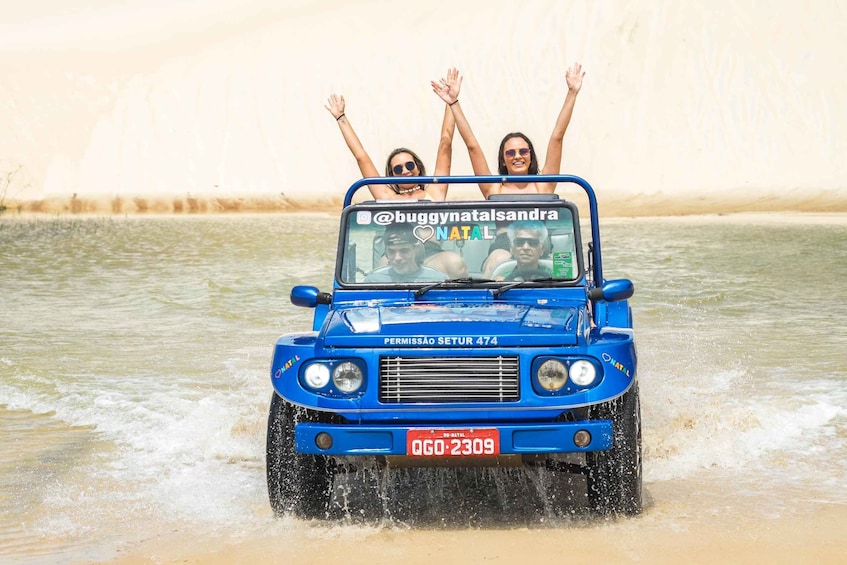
<point x="390" y="244"/>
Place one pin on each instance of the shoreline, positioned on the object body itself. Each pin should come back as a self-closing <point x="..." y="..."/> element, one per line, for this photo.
<point x="748" y="218"/>
<point x="611" y="206"/>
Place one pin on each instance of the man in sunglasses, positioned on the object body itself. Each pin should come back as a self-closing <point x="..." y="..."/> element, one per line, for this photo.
<point x="404" y="254"/>
<point x="528" y="242"/>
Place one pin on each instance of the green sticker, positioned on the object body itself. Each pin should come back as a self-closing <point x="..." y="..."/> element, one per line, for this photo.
<point x="563" y="265"/>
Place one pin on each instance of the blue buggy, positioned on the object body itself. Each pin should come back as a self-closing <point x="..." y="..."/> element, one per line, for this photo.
<point x="530" y="362"/>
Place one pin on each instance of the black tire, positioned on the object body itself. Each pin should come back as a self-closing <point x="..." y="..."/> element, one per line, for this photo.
<point x="614" y="476"/>
<point x="298" y="484"/>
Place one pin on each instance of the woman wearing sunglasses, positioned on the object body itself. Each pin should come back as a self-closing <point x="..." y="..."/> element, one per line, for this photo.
<point x="404" y="162"/>
<point x="516" y="155"/>
<point x="401" y="162"/>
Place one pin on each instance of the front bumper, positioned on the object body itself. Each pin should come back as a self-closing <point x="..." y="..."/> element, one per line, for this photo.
<point x="515" y="439"/>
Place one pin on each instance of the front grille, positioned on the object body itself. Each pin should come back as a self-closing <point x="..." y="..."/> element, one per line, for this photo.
<point x="449" y="379"/>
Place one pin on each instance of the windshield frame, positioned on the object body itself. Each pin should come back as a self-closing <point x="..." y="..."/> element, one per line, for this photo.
<point x="416" y="208"/>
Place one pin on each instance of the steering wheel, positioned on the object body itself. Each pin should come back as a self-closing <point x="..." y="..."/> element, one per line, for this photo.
<point x="527" y="275"/>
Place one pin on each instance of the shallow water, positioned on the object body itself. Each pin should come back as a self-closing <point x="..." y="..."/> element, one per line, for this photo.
<point x="134" y="378"/>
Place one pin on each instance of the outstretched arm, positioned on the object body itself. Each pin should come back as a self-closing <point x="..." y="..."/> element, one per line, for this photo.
<point x="553" y="161"/>
<point x="444" y="156"/>
<point x="335" y="105"/>
<point x="448" y="90"/>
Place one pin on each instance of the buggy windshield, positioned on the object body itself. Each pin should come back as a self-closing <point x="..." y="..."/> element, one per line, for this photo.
<point x="418" y="243"/>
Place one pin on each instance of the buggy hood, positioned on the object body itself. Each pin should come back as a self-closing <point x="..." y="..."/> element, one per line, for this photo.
<point x="452" y="325"/>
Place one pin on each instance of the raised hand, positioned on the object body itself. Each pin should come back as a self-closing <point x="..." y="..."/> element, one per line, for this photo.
<point x="448" y="88"/>
<point x="335" y="105"/>
<point x="573" y="76"/>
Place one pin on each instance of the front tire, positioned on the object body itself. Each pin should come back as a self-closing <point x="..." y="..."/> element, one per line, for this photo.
<point x="298" y="484"/>
<point x="614" y="476"/>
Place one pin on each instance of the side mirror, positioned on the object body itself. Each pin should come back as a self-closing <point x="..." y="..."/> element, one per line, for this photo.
<point x="309" y="296"/>
<point x="613" y="290"/>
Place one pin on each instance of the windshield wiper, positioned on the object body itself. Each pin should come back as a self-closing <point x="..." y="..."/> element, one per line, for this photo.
<point x="463" y="281"/>
<point x="507" y="287"/>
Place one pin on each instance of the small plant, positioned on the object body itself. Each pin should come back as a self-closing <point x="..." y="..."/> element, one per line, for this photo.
<point x="6" y="181"/>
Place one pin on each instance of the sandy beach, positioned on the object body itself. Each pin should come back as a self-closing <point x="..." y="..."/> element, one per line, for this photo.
<point x="801" y="536"/>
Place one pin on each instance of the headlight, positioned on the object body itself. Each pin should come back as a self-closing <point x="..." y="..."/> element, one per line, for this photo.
<point x="316" y="375"/>
<point x="582" y="373"/>
<point x="347" y="377"/>
<point x="552" y="375"/>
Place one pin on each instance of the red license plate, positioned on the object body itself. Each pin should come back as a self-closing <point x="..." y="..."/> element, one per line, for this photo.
<point x="473" y="442"/>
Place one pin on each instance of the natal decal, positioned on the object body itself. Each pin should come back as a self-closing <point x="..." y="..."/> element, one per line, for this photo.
<point x="619" y="366"/>
<point x="462" y="233"/>
<point x="288" y="364"/>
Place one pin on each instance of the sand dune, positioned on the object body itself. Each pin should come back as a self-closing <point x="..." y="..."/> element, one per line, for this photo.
<point x="724" y="107"/>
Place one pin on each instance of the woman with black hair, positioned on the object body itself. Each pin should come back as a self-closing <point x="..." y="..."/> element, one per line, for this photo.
<point x="402" y="161"/>
<point x="516" y="155"/>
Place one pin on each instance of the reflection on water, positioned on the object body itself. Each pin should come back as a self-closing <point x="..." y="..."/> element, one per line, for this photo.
<point x="134" y="387"/>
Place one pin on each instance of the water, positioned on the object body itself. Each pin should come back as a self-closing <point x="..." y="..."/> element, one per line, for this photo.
<point x="134" y="356"/>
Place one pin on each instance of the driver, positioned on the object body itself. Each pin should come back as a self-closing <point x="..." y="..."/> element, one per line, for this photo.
<point x="528" y="241"/>
<point x="402" y="250"/>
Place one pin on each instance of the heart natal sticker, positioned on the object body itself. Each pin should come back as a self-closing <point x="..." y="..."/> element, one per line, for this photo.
<point x="423" y="233"/>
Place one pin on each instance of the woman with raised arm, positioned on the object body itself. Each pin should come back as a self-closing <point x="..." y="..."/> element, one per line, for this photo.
<point x="401" y="161"/>
<point x="517" y="154"/>
<point x="404" y="162"/>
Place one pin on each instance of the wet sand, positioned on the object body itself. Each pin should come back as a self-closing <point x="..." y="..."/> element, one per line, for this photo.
<point x="809" y="535"/>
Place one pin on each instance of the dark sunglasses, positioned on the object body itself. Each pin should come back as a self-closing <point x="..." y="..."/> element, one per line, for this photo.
<point x="521" y="241"/>
<point x="398" y="169"/>
<point x="510" y="153"/>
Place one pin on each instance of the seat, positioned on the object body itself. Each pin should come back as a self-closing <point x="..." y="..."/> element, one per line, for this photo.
<point x="472" y="251"/>
<point x="378" y="251"/>
<point x="562" y="241"/>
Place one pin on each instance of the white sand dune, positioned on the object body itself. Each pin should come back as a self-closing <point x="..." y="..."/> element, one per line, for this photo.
<point x="215" y="106"/>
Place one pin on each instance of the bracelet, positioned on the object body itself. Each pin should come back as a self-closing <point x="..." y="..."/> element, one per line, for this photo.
<point x="339" y="117"/>
<point x="453" y="102"/>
